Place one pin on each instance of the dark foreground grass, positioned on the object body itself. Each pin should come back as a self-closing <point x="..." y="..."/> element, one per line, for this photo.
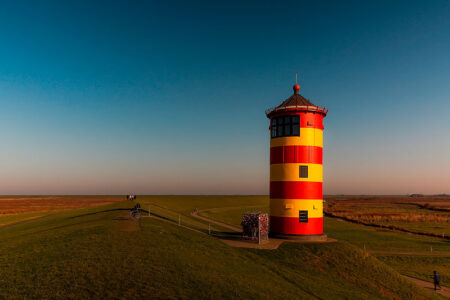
<point x="93" y="254"/>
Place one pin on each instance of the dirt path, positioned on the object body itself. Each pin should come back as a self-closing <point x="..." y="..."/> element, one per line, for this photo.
<point x="237" y="241"/>
<point x="229" y="207"/>
<point x="195" y="214"/>
<point x="231" y="239"/>
<point x="174" y="223"/>
<point x="444" y="291"/>
<point x="224" y="225"/>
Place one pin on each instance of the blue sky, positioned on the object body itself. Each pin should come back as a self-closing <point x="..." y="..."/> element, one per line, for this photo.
<point x="169" y="98"/>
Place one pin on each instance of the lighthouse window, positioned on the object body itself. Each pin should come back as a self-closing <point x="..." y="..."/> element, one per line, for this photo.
<point x="274" y="131"/>
<point x="296" y="125"/>
<point x="286" y="126"/>
<point x="287" y="129"/>
<point x="303" y="171"/>
<point x="280" y="130"/>
<point x="303" y="216"/>
<point x="274" y="127"/>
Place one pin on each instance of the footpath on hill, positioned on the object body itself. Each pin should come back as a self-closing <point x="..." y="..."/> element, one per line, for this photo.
<point x="444" y="291"/>
<point x="237" y="241"/>
<point x="196" y="215"/>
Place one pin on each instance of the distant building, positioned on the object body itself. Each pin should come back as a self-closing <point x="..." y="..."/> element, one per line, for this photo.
<point x="296" y="173"/>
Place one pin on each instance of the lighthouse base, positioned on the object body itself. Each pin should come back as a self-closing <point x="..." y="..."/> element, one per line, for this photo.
<point x="307" y="238"/>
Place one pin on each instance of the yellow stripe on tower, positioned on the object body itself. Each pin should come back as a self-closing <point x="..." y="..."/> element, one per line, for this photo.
<point x="291" y="172"/>
<point x="308" y="137"/>
<point x="289" y="208"/>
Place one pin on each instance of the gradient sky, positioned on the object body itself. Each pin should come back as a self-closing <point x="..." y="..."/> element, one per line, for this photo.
<point x="169" y="97"/>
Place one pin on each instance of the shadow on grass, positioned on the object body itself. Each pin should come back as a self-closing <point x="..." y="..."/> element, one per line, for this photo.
<point x="227" y="235"/>
<point x="99" y="212"/>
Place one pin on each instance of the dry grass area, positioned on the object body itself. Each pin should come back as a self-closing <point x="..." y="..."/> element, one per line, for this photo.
<point x="13" y="205"/>
<point x="429" y="215"/>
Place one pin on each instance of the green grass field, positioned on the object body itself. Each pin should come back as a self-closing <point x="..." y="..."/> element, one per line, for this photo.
<point x="440" y="228"/>
<point x="98" y="253"/>
<point x="14" y="218"/>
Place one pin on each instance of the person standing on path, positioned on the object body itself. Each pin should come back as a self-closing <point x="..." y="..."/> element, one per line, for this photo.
<point x="437" y="279"/>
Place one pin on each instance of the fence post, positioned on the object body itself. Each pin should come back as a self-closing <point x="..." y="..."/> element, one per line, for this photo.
<point x="209" y="229"/>
<point x="149" y="214"/>
<point x="179" y="220"/>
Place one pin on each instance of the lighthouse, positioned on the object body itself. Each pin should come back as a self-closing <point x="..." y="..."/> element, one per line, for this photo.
<point x="296" y="168"/>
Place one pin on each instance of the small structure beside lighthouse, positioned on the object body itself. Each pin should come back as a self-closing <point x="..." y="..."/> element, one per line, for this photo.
<point x="296" y="171"/>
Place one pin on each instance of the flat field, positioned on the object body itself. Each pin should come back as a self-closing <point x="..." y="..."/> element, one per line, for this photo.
<point x="98" y="252"/>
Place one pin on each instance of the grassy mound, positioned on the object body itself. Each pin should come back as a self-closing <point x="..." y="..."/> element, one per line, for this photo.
<point x="99" y="253"/>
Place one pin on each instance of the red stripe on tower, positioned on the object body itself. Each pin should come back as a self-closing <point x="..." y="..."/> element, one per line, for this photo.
<point x="293" y="226"/>
<point x="296" y="155"/>
<point x="296" y="190"/>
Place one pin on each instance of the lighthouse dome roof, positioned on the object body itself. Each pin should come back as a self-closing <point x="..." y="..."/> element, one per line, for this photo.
<point x="296" y="100"/>
<point x="296" y="103"/>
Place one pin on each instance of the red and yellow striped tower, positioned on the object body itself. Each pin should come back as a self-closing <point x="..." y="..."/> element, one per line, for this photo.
<point x="296" y="173"/>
